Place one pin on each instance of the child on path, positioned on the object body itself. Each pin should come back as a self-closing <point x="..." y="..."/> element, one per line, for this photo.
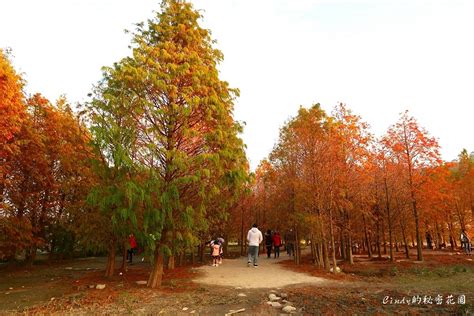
<point x="215" y="247"/>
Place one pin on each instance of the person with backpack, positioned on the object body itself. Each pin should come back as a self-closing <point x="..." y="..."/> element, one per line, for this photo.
<point x="215" y="253"/>
<point x="465" y="242"/>
<point x="276" y="244"/>
<point x="221" y="249"/>
<point x="269" y="243"/>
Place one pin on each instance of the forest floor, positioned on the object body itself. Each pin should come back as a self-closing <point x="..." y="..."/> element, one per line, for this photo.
<point x="374" y="286"/>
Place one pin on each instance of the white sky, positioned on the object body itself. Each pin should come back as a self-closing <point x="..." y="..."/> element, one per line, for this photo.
<point x="379" y="57"/>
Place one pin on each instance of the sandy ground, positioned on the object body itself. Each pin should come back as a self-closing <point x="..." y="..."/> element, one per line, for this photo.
<point x="268" y="274"/>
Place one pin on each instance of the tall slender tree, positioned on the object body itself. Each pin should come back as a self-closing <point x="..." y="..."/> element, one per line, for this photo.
<point x="180" y="131"/>
<point x="415" y="150"/>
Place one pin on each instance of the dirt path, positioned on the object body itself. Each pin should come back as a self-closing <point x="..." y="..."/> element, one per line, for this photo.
<point x="268" y="274"/>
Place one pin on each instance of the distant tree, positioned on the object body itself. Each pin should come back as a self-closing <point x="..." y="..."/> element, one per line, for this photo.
<point x="415" y="150"/>
<point x="12" y="115"/>
<point x="47" y="179"/>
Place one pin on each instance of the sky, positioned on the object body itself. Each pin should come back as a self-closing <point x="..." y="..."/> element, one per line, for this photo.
<point x="378" y="57"/>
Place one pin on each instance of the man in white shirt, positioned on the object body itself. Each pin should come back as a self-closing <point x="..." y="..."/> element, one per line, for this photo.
<point x="254" y="238"/>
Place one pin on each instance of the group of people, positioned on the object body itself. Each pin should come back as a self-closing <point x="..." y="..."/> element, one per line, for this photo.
<point x="466" y="243"/>
<point x="273" y="241"/>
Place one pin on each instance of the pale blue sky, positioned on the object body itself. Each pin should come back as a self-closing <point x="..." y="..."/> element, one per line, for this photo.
<point x="379" y="57"/>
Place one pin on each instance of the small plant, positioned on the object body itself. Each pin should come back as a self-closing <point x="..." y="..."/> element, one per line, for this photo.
<point x="444" y="272"/>
<point x="172" y="283"/>
<point x="461" y="268"/>
<point x="126" y="301"/>
<point x="394" y="271"/>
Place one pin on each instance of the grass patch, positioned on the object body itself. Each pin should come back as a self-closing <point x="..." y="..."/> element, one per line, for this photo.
<point x="443" y="271"/>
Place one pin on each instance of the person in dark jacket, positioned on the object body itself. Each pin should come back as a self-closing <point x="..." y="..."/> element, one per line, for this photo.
<point x="276" y="244"/>
<point x="290" y="240"/>
<point x="465" y="242"/>
<point x="268" y="242"/>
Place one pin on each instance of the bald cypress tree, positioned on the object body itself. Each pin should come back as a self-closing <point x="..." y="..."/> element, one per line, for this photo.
<point x="183" y="146"/>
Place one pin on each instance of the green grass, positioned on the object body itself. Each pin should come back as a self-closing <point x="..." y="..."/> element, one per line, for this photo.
<point x="447" y="279"/>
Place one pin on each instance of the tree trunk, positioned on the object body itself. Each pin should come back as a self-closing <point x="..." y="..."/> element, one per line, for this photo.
<point x="452" y="241"/>
<point x="193" y="256"/>
<point x="378" y="238"/>
<point x="297" y="247"/>
<point x="320" y="255"/>
<point x="313" y="247"/>
<point x="419" y="252"/>
<point x="331" y="232"/>
<point x="389" y="218"/>
<point x="324" y="246"/>
<point x="369" y="248"/>
<point x="341" y="245"/>
<point x="242" y="241"/>
<point x="124" y="255"/>
<point x="156" y="274"/>
<point x="171" y="263"/>
<point x="2" y="183"/>
<point x="413" y="199"/>
<point x="226" y="245"/>
<point x="201" y="252"/>
<point x="182" y="258"/>
<point x="110" y="267"/>
<point x="349" y="256"/>
<point x="30" y="255"/>
<point x="349" y="248"/>
<point x="405" y="241"/>
<point x="384" y="241"/>
<point x="438" y="236"/>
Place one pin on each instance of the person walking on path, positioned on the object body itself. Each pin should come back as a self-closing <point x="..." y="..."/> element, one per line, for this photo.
<point x="466" y="242"/>
<point x="276" y="244"/>
<point x="133" y="246"/>
<point x="215" y="253"/>
<point x="290" y="239"/>
<point x="269" y="243"/>
<point x="254" y="238"/>
<point x="221" y="249"/>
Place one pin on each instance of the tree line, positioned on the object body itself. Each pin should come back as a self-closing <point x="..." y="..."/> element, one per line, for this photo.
<point x="344" y="190"/>
<point x="155" y="152"/>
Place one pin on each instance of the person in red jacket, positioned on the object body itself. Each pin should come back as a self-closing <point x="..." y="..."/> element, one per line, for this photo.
<point x="277" y="244"/>
<point x="133" y="247"/>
